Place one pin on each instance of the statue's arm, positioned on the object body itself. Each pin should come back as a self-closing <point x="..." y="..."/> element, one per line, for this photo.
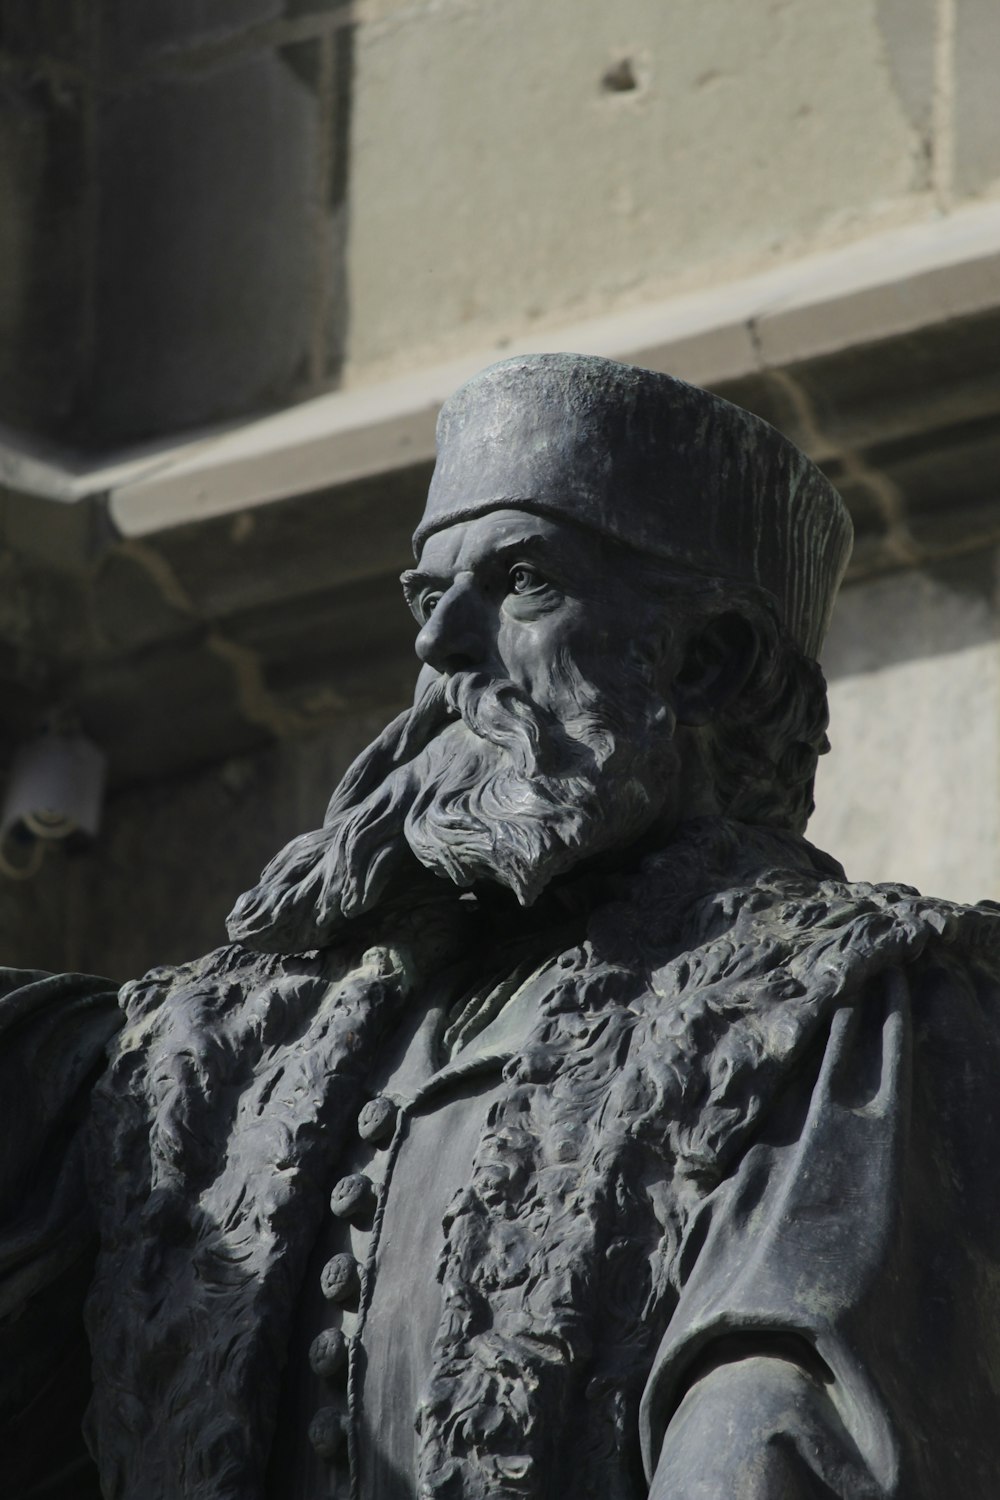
<point x="758" y="1428"/>
<point x="837" y="1329"/>
<point x="53" y="1033"/>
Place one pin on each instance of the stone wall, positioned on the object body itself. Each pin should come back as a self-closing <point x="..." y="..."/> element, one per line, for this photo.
<point x="215" y="208"/>
<point x="911" y="788"/>
<point x="552" y="161"/>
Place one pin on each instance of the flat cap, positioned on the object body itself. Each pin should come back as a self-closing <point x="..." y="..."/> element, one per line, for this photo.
<point x="660" y="465"/>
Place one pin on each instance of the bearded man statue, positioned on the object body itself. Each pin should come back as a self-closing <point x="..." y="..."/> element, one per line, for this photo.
<point x="558" y="1121"/>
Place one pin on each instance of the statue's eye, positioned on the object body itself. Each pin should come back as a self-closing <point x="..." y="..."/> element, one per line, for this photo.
<point x="525" y="580"/>
<point x="428" y="604"/>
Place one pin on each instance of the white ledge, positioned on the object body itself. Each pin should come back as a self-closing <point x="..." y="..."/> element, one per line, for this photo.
<point x="888" y="284"/>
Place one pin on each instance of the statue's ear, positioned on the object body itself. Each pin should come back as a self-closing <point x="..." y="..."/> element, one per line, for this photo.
<point x="717" y="661"/>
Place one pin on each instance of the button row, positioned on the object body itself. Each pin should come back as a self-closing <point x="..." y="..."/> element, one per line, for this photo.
<point x="353" y="1198"/>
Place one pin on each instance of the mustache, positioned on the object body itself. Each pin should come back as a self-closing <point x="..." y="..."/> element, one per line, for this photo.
<point x="334" y="874"/>
<point x="500" y="713"/>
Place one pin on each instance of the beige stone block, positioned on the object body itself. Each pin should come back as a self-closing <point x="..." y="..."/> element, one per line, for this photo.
<point x="909" y="31"/>
<point x="498" y="182"/>
<point x="911" y="789"/>
<point x="975" y="93"/>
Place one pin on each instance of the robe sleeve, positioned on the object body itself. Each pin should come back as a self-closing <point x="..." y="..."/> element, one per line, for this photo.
<point x="838" y="1333"/>
<point x="53" y="1033"/>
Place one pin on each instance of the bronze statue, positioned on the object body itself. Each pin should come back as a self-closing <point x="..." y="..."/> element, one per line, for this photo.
<point x="558" y="1120"/>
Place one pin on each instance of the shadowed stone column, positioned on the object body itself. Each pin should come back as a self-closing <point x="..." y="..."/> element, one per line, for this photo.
<point x="174" y="179"/>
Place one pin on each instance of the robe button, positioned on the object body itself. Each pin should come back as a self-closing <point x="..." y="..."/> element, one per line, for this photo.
<point x="353" y="1197"/>
<point x="377" y="1120"/>
<point x="328" y="1354"/>
<point x="327" y="1431"/>
<point x="339" y="1278"/>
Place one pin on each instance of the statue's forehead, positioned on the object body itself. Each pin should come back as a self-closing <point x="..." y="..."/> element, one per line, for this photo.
<point x="467" y="543"/>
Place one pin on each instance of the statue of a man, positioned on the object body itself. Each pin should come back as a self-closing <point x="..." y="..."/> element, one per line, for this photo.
<point x="559" y="1121"/>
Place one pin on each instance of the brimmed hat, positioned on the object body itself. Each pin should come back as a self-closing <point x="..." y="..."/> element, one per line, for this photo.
<point x="651" y="461"/>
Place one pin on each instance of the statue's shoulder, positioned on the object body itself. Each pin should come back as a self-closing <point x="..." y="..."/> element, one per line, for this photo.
<point x="33" y="1002"/>
<point x="239" y="999"/>
<point x="234" y="990"/>
<point x="930" y="931"/>
<point x="54" y="1034"/>
<point x="762" y="900"/>
<point x="219" y="983"/>
<point x="216" y="1018"/>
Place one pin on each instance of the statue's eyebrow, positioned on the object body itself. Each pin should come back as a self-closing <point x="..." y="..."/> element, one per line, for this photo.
<point x="414" y="582"/>
<point x="518" y="546"/>
<point x="538" y="550"/>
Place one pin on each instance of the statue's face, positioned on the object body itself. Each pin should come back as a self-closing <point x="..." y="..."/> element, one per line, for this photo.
<point x="561" y="742"/>
<point x="519" y="596"/>
<point x="540" y="737"/>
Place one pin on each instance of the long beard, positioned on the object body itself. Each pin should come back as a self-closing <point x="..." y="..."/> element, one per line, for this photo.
<point x="474" y="783"/>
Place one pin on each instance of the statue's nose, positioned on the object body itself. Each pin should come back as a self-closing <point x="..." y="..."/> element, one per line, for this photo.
<point x="454" y="639"/>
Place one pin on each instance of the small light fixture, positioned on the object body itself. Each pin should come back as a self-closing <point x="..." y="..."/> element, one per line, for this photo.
<point x="54" y="794"/>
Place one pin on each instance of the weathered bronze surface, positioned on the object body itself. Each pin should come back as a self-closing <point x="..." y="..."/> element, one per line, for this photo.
<point x="557" y="1120"/>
